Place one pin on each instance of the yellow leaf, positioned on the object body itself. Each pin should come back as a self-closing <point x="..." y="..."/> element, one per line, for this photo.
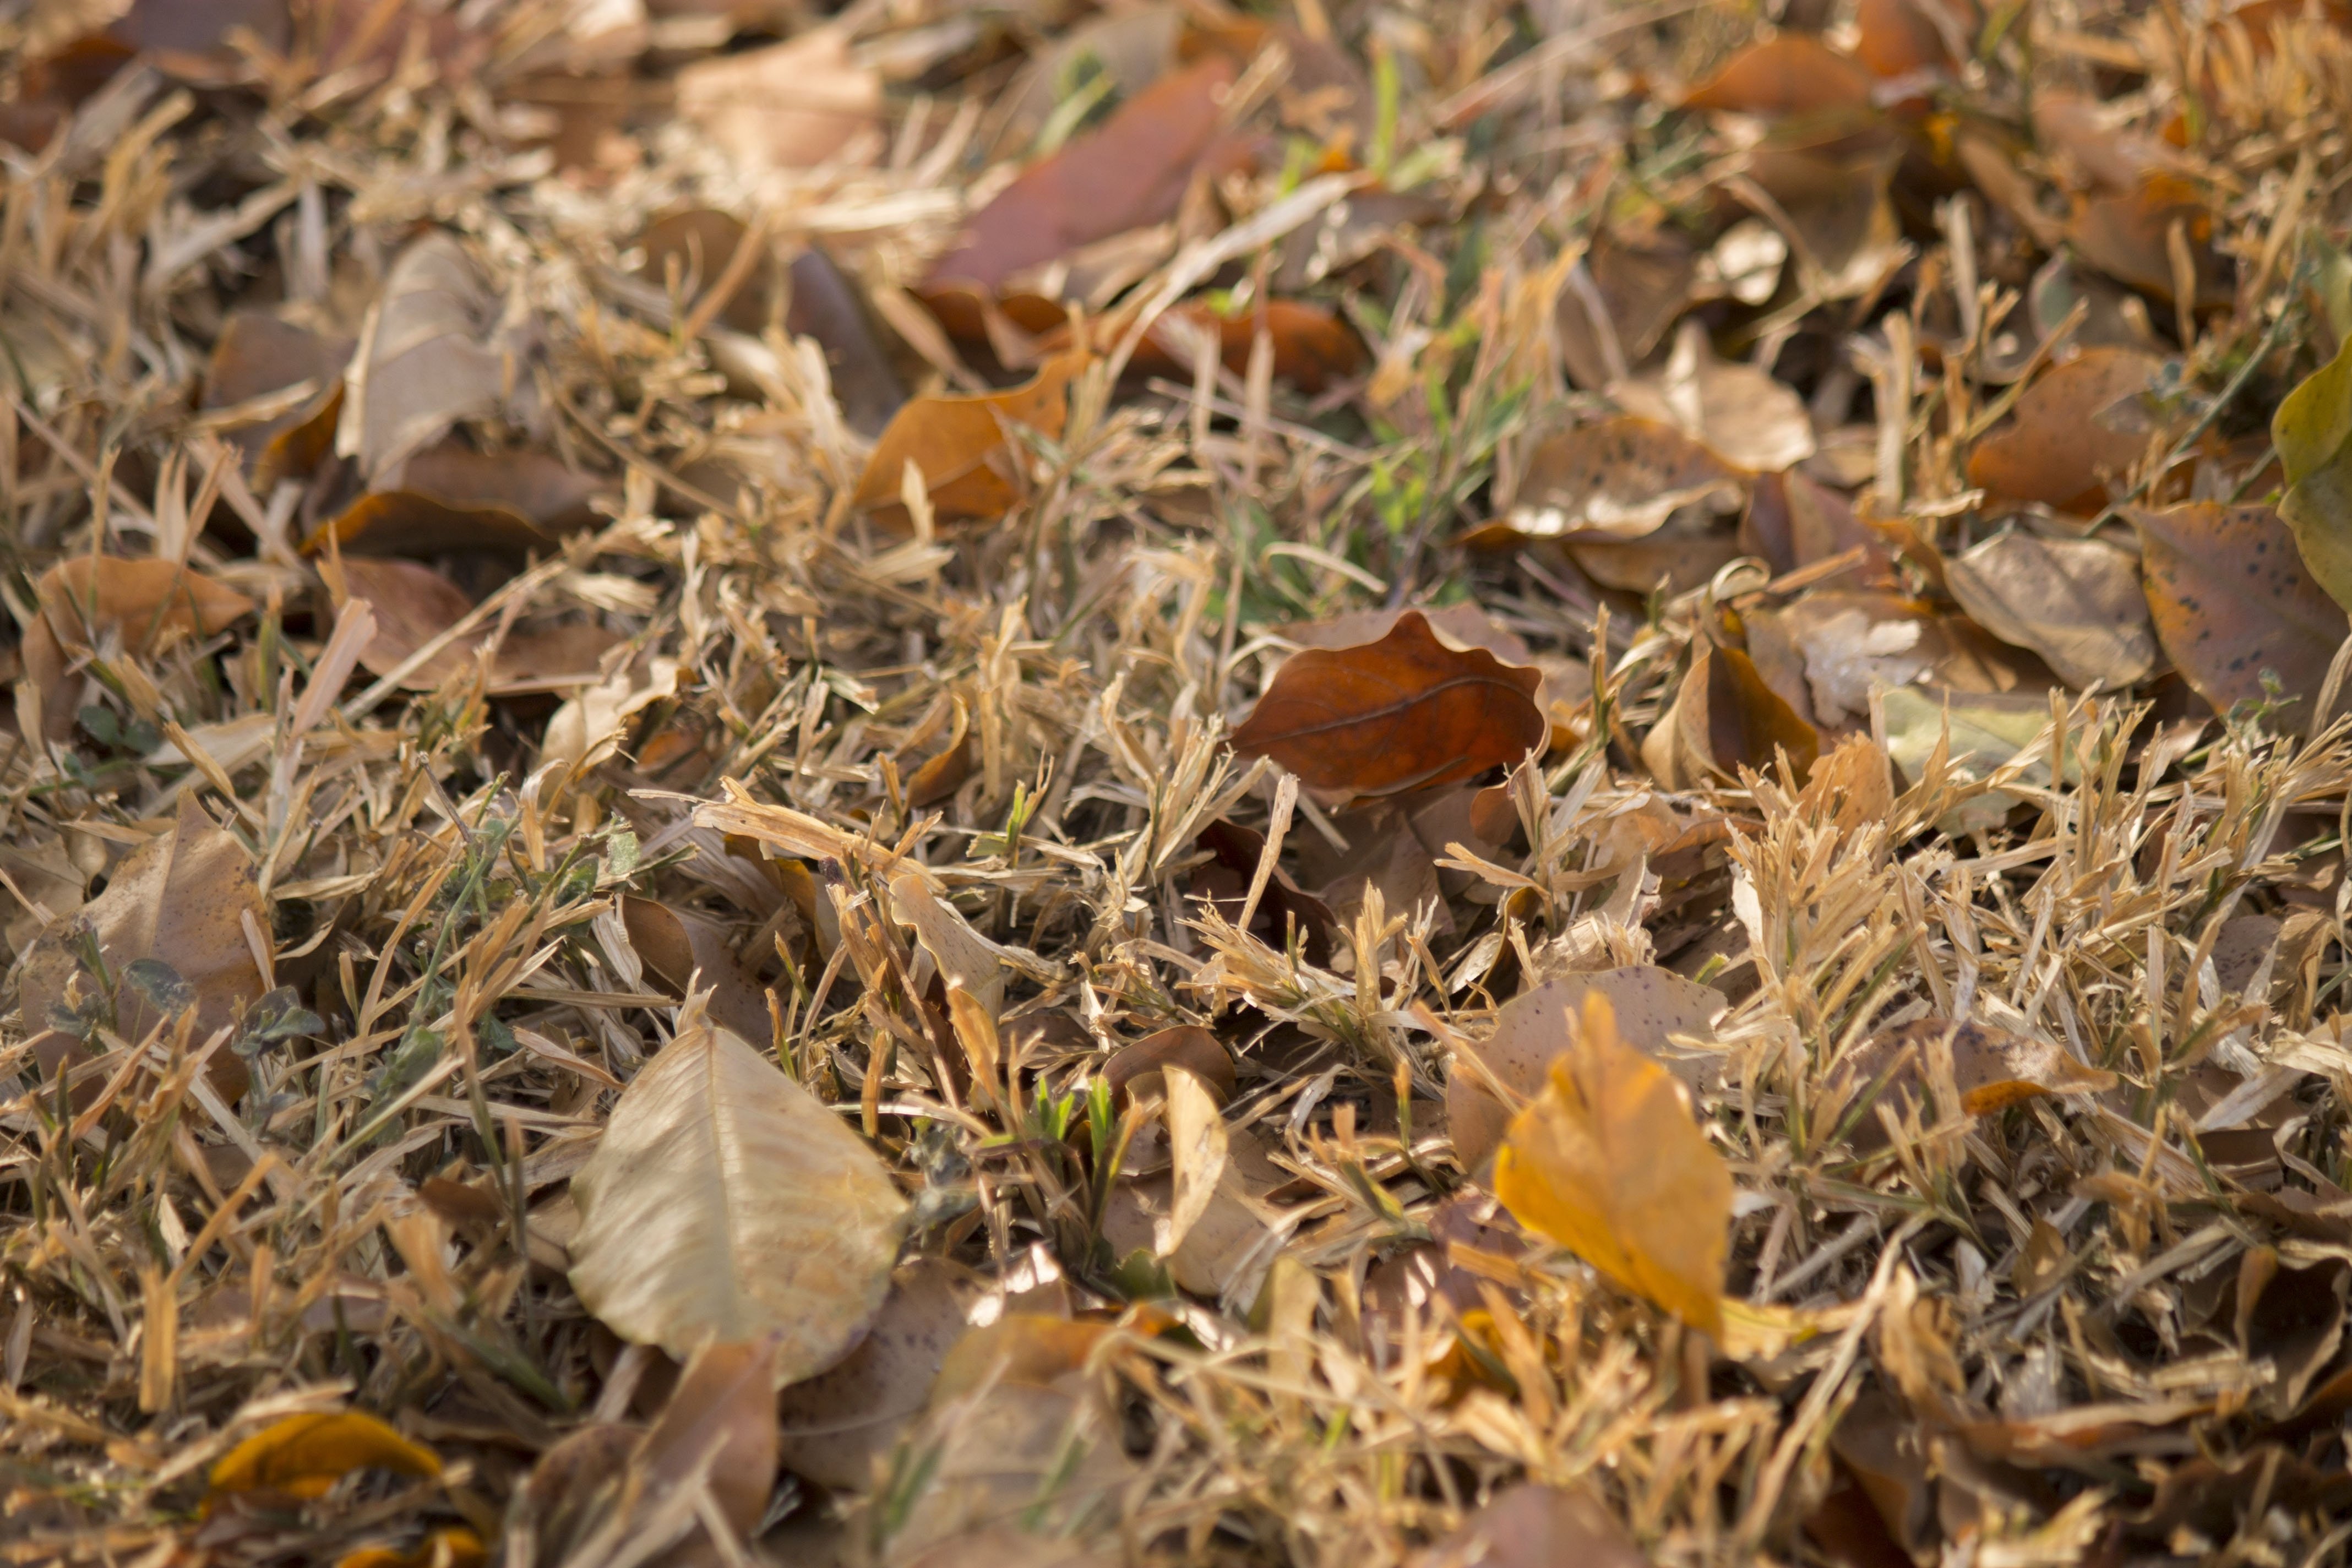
<point x="454" y="1547"/>
<point x="1608" y="1163"/>
<point x="306" y="1455"/>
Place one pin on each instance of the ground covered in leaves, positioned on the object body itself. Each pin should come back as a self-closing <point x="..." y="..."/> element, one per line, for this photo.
<point x="1362" y="782"/>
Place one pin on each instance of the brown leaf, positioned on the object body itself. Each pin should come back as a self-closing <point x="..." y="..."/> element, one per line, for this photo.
<point x="259" y="353"/>
<point x="576" y="1487"/>
<point x="431" y="358"/>
<point x="1790" y="74"/>
<point x="413" y="604"/>
<point x="2075" y="601"/>
<point x="838" y="1425"/>
<point x="959" y="444"/>
<point x="1993" y="1069"/>
<point x="1138" y="1068"/>
<point x="147" y="604"/>
<point x="2129" y="236"/>
<point x="682" y="949"/>
<point x="1735" y="410"/>
<point x="1608" y="1161"/>
<point x="1644" y="281"/>
<point x="1725" y="717"/>
<point x="1652" y="1007"/>
<point x="2078" y="430"/>
<point x="2231" y="598"/>
<point x="1532" y="1526"/>
<point x="1405" y="712"/>
<point x="181" y="898"/>
<point x="1620" y="479"/>
<point x="404" y="523"/>
<point x="1901" y="38"/>
<point x="1128" y="174"/>
<point x="720" y="1422"/>
<point x="790" y="106"/>
<point x="1313" y="347"/>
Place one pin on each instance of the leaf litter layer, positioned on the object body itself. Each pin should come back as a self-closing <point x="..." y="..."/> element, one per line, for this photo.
<point x="1352" y="782"/>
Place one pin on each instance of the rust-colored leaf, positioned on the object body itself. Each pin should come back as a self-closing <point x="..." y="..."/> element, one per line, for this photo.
<point x="1904" y="38"/>
<point x="1608" y="1161"/>
<point x="2231" y="599"/>
<point x="147" y="604"/>
<point x="2078" y="432"/>
<point x="959" y="444"/>
<point x="1313" y="348"/>
<point x="1788" y="74"/>
<point x="2129" y="237"/>
<point x="1405" y="712"/>
<point x="1131" y="172"/>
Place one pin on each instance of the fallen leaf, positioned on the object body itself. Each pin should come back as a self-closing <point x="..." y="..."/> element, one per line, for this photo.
<point x="452" y="1546"/>
<point x="1197" y="1153"/>
<point x="1620" y="479"/>
<point x="959" y="445"/>
<point x="304" y="1456"/>
<point x="147" y="604"/>
<point x="682" y="950"/>
<point x="2313" y="432"/>
<point x="577" y="1488"/>
<point x="1128" y="174"/>
<point x="1405" y="712"/>
<point x="790" y="106"/>
<point x="1653" y="1006"/>
<point x="1787" y="74"/>
<point x="2129" y="236"/>
<point x="1128" y="48"/>
<point x="1794" y="519"/>
<point x="1313" y="348"/>
<point x="1904" y="37"/>
<point x="1608" y="1161"/>
<point x="1684" y="555"/>
<point x="1993" y="1069"/>
<point x="2078" y="430"/>
<point x="839" y="1425"/>
<point x="430" y="359"/>
<point x="581" y="730"/>
<point x="2075" y="601"/>
<point x="1737" y="412"/>
<point x="1037" y="1465"/>
<point x="676" y="1245"/>
<point x="260" y="354"/>
<point x="413" y="604"/>
<point x="718" y="1427"/>
<point x="1642" y="281"/>
<point x="2231" y="599"/>
<point x="1532" y="1526"/>
<point x="1981" y="732"/>
<point x="1725" y="718"/>
<point x="403" y="522"/>
<point x="1139" y="1068"/>
<point x="181" y="900"/>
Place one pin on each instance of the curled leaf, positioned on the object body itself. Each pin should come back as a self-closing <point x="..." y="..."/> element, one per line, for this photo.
<point x="306" y="1455"/>
<point x="958" y="443"/>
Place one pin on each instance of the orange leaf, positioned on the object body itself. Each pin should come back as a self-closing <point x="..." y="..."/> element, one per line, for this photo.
<point x="306" y="1455"/>
<point x="959" y="443"/>
<point x="85" y="597"/>
<point x="1405" y="712"/>
<point x="1608" y="1163"/>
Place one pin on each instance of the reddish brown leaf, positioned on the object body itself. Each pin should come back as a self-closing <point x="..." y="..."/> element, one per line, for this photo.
<point x="1131" y="172"/>
<point x="2231" y="599"/>
<point x="1405" y="712"/>
<point x="2129" y="236"/>
<point x="1313" y="348"/>
<point x="1725" y="717"/>
<point x="2077" y="431"/>
<point x="1901" y="38"/>
<point x="1792" y="74"/>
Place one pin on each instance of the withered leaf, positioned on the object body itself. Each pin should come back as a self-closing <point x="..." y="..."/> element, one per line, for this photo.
<point x="183" y="898"/>
<point x="2075" y="601"/>
<point x="1609" y="1162"/>
<point x="1532" y="1526"/>
<point x="1993" y="1069"/>
<point x="1618" y="479"/>
<point x="305" y="1454"/>
<point x="790" y="106"/>
<point x="147" y="603"/>
<point x="1788" y="74"/>
<point x="2313" y="432"/>
<point x="1654" y="1007"/>
<point x="1725" y="718"/>
<point x="957" y="442"/>
<point x="1733" y="410"/>
<point x="2231" y="598"/>
<point x="1131" y="172"/>
<point x="428" y="362"/>
<point x="676" y="1245"/>
<point x="2078" y="430"/>
<point x="1405" y="712"/>
<point x="681" y="949"/>
<point x="839" y="1424"/>
<point x="2129" y="237"/>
